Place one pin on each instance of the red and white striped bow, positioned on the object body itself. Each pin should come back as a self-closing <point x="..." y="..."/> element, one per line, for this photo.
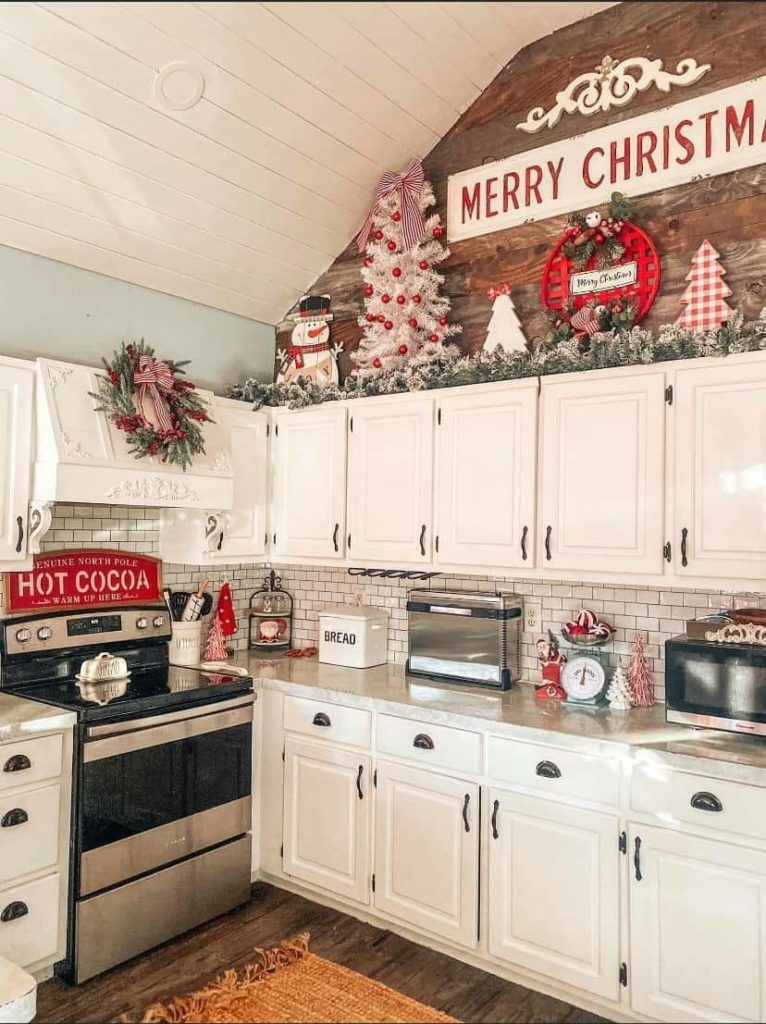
<point x="585" y="321"/>
<point x="409" y="184"/>
<point x="501" y="289"/>
<point x="154" y="377"/>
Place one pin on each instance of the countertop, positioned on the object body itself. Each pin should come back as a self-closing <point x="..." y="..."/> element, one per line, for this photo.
<point x="642" y="733"/>
<point x="20" y="719"/>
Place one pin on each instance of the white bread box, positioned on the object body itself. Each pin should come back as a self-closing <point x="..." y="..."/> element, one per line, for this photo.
<point x="353" y="636"/>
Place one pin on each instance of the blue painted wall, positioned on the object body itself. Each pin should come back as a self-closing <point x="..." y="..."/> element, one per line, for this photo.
<point x="62" y="312"/>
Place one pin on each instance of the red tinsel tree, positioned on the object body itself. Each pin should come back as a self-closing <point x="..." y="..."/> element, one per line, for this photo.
<point x="215" y="648"/>
<point x="639" y="676"/>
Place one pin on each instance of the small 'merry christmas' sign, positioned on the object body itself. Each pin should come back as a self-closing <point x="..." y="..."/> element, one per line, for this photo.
<point x="711" y="134"/>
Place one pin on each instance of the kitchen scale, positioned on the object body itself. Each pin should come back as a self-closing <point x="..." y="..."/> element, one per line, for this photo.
<point x="583" y="676"/>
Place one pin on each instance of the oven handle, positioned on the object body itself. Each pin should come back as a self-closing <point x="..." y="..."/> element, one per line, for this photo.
<point x="167" y="732"/>
<point x="151" y="721"/>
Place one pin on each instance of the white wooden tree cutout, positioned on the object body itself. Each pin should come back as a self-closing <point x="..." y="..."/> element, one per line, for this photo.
<point x="504" y="330"/>
<point x="704" y="303"/>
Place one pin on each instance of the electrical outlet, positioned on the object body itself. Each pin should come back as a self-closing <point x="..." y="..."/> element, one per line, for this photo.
<point x="533" y="616"/>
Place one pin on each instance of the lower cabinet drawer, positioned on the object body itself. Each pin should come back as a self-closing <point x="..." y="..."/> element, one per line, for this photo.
<point x="29" y="831"/>
<point x="553" y="771"/>
<point x="428" y="744"/>
<point x="29" y="921"/>
<point x="323" y="721"/>
<point x="29" y="761"/>
<point x="697" y="800"/>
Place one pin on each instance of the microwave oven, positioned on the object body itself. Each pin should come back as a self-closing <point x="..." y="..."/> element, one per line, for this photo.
<point x="716" y="686"/>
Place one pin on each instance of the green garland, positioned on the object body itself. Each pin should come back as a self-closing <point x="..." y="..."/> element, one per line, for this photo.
<point x="186" y="408"/>
<point x="626" y="347"/>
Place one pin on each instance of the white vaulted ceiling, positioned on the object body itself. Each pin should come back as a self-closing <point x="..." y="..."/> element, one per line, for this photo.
<point x="243" y="198"/>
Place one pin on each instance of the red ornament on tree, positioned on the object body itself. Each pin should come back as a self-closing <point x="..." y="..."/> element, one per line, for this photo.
<point x="438" y="232"/>
<point x="391" y="246"/>
<point x="412" y="322"/>
<point x="417" y="299"/>
<point x="433" y="337"/>
<point x="388" y="325"/>
<point x="369" y="317"/>
<point x="385" y="298"/>
<point x="380" y="318"/>
<point x="403" y="350"/>
<point x="368" y="261"/>
<point x="396" y="216"/>
<point x="423" y="264"/>
<point x="369" y="291"/>
<point x="377" y="363"/>
<point x="396" y="272"/>
<point x="443" y="321"/>
<point x="400" y="299"/>
<point x="378" y="236"/>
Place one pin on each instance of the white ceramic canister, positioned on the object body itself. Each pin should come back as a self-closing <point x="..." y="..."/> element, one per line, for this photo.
<point x="185" y="643"/>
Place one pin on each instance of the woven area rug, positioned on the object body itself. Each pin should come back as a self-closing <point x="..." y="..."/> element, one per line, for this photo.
<point x="290" y="985"/>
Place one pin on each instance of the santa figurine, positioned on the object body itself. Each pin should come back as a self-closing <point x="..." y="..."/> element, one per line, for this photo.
<point x="551" y="659"/>
<point x="310" y="353"/>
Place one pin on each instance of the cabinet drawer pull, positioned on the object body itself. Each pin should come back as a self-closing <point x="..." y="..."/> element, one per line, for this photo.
<point x="423" y="742"/>
<point x="17" y="763"/>
<point x="335" y="536"/>
<point x="16" y="816"/>
<point x="320" y="718"/>
<point x="423" y="540"/>
<point x="20" y="528"/>
<point x="684" y="539"/>
<point x="548" y="770"/>
<point x="524" y="533"/>
<point x="495" y="809"/>
<point x="220" y="540"/>
<point x="637" y="858"/>
<point x="706" y="802"/>
<point x="548" y="533"/>
<point x="14" y="911"/>
<point x="466" y="802"/>
<point x="359" y="782"/>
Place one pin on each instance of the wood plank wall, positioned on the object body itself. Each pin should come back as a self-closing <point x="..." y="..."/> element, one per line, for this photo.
<point x="729" y="209"/>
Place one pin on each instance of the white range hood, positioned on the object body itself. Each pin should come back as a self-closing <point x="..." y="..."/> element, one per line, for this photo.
<point x="81" y="457"/>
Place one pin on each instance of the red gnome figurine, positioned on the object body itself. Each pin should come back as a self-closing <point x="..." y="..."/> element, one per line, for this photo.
<point x="551" y="659"/>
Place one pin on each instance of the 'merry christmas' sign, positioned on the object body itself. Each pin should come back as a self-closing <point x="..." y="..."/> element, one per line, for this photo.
<point x="711" y="134"/>
<point x="77" y="579"/>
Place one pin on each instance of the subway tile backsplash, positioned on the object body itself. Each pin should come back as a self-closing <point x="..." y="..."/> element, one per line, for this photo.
<point x="658" y="612"/>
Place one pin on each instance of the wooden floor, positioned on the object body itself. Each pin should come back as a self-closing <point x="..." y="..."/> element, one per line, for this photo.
<point x="188" y="963"/>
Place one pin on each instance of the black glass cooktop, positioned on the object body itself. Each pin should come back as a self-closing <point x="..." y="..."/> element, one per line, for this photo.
<point x="147" y="690"/>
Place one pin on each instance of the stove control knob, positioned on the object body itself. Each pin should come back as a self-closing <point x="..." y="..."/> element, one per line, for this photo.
<point x="22" y="635"/>
<point x="158" y="621"/>
<point x="142" y="623"/>
<point x="44" y="633"/>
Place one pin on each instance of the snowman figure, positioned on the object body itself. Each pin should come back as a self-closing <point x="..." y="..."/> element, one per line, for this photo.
<point x="310" y="353"/>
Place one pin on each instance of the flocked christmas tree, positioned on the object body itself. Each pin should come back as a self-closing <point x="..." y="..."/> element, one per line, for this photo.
<point x="618" y="693"/>
<point x="405" y="319"/>
<point x="703" y="301"/>
<point x="639" y="676"/>
<point x="504" y="329"/>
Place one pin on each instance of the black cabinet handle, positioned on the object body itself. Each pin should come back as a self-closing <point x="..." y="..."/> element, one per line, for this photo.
<point x="20" y="527"/>
<point x="548" y="770"/>
<point x="637" y="858"/>
<point x="667" y="552"/>
<point x="220" y="540"/>
<point x="495" y="809"/>
<point x="524" y="533"/>
<point x="706" y="802"/>
<point x="359" y="782"/>
<point x="423" y="742"/>
<point x="17" y="763"/>
<point x="320" y="718"/>
<point x="14" y="911"/>
<point x="548" y="533"/>
<point x="423" y="540"/>
<point x="16" y="816"/>
<point x="684" y="536"/>
<point x="466" y="802"/>
<point x="335" y="536"/>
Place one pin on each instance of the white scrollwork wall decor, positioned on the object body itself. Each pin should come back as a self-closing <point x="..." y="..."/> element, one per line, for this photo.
<point x="153" y="489"/>
<point x="738" y="633"/>
<point x="58" y="374"/>
<point x="222" y="464"/>
<point x="612" y="84"/>
<point x="40" y="518"/>
<point x="73" y="449"/>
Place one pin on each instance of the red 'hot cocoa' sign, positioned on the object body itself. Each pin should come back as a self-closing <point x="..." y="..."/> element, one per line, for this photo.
<point x="83" y="579"/>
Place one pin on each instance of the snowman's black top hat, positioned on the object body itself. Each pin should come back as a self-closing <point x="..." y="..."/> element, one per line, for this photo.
<point x="313" y="307"/>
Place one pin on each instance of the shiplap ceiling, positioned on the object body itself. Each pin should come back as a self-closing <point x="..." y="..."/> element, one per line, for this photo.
<point x="241" y="200"/>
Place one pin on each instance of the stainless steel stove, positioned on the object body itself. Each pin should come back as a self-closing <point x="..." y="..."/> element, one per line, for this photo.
<point x="161" y="779"/>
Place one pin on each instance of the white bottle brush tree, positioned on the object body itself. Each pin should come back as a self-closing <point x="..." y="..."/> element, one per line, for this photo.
<point x="405" y="320"/>
<point x="618" y="692"/>
<point x="504" y="331"/>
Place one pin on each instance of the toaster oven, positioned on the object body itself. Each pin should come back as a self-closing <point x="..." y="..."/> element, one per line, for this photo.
<point x="464" y="637"/>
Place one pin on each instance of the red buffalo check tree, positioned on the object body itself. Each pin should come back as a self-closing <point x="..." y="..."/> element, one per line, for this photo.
<point x="704" y="303"/>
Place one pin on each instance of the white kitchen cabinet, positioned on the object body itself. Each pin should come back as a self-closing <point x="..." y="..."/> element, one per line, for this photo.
<point x="390" y="479"/>
<point x="427" y="851"/>
<point x="697" y="928"/>
<point x="602" y="466"/>
<point x="212" y="536"/>
<point x="485" y="477"/>
<point x="328" y="793"/>
<point x="310" y="483"/>
<point x="554" y="890"/>
<point x="16" y="384"/>
<point x="720" y="469"/>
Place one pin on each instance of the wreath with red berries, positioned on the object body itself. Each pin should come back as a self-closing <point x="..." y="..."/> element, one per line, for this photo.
<point x="151" y="400"/>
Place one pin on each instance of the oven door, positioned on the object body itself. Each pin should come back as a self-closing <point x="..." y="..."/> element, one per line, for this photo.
<point x="716" y="686"/>
<point x="158" y="789"/>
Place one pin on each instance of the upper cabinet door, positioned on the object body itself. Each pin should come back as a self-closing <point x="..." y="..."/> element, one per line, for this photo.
<point x="310" y="483"/>
<point x="244" y="534"/>
<point x="486" y="477"/>
<point x="720" y="470"/>
<point x="16" y="383"/>
<point x="603" y="468"/>
<point x="390" y="500"/>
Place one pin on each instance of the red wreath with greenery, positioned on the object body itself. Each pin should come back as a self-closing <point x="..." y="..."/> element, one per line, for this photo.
<point x="154" y="404"/>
